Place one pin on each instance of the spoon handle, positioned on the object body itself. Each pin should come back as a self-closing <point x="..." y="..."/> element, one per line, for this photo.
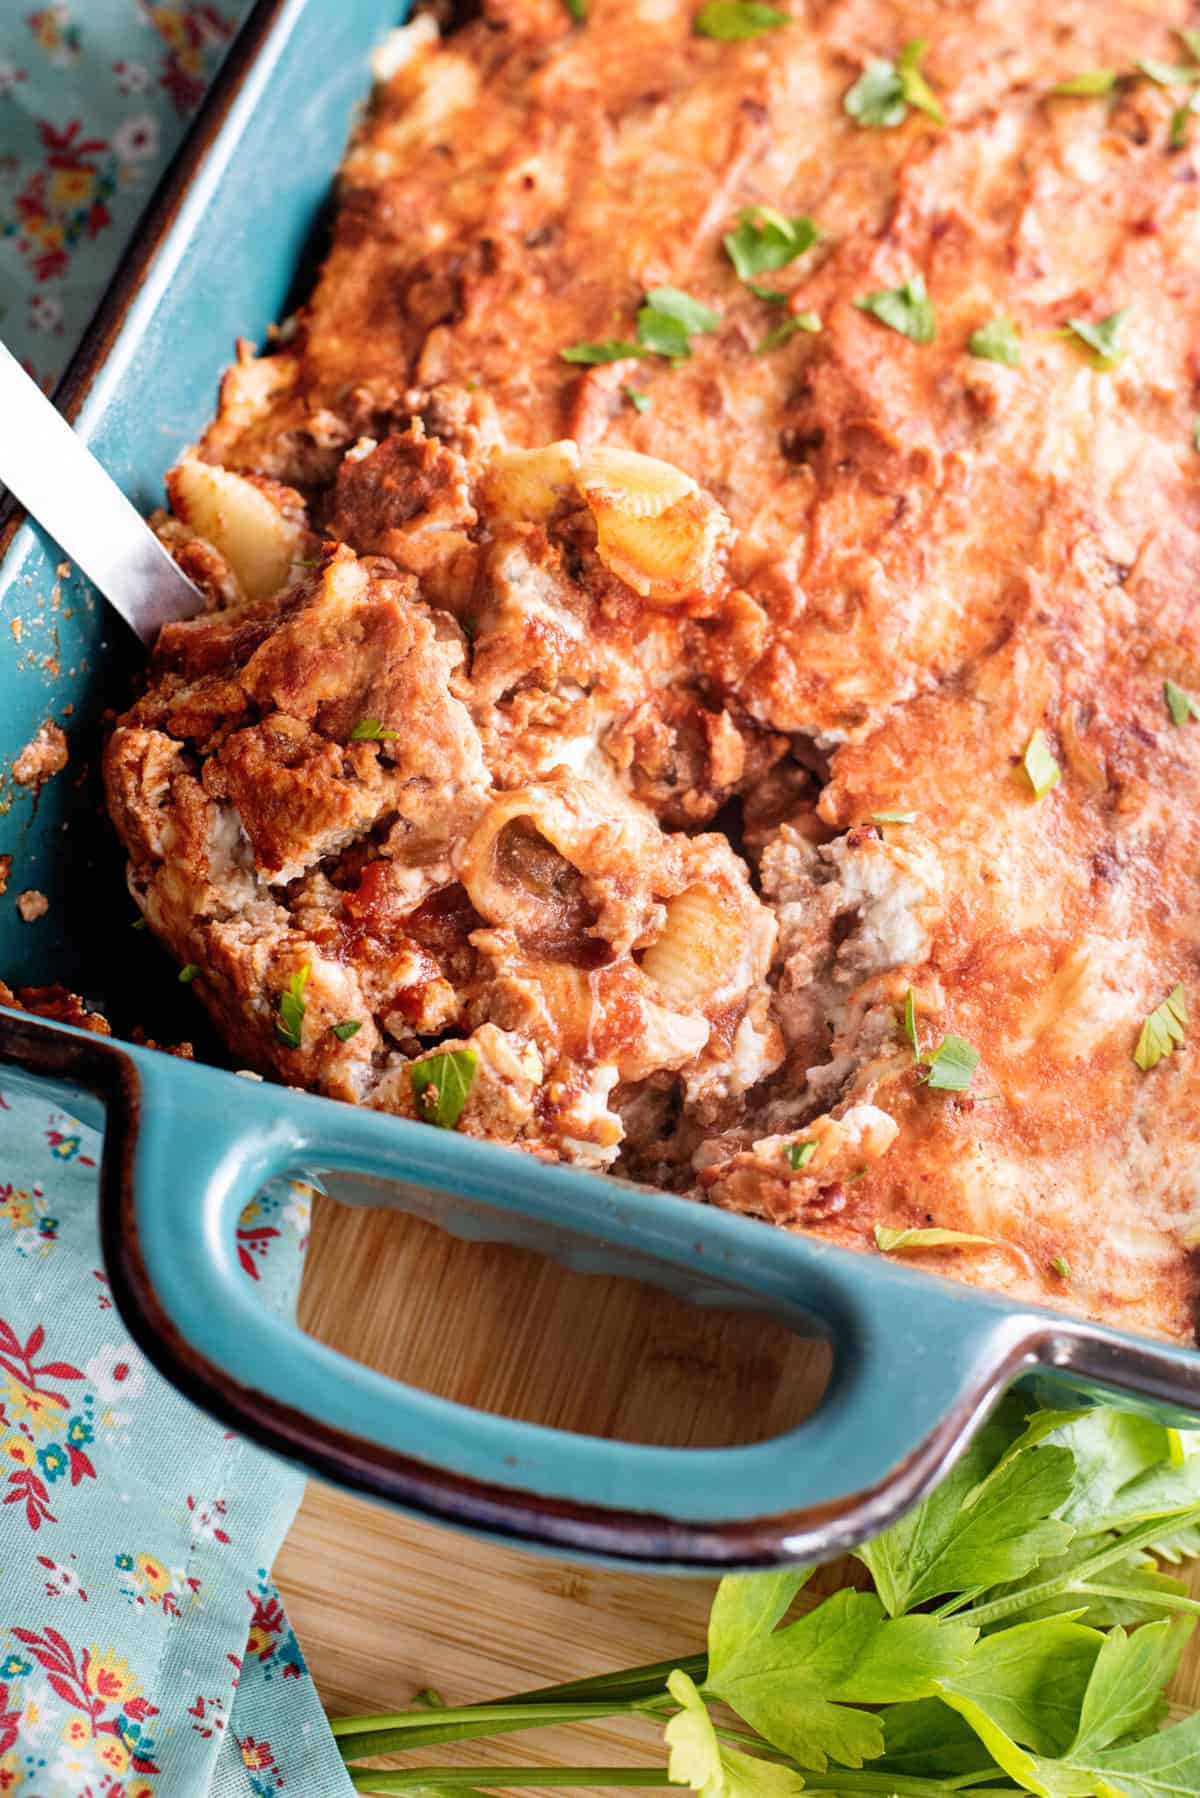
<point x="61" y="484"/>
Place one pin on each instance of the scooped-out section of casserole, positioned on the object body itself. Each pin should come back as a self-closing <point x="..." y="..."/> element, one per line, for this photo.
<point x="702" y="628"/>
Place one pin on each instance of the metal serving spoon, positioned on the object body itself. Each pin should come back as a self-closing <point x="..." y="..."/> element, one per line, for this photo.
<point x="61" y="484"/>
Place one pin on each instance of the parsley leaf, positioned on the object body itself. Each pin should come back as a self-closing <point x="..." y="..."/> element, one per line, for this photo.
<point x="1032" y="1679"/>
<point x="1040" y="766"/>
<point x="1087" y="86"/>
<point x="289" y="1024"/>
<point x="441" y="1084"/>
<point x="672" y="302"/>
<point x="638" y="400"/>
<point x="1062" y="1267"/>
<point x="1180" y="704"/>
<point x="796" y="1686"/>
<point x="910" y="1023"/>
<point x="1162" y="1031"/>
<point x="974" y="1530"/>
<point x="799" y="321"/>
<point x="902" y="1242"/>
<point x="749" y="1604"/>
<point x="188" y="972"/>
<point x="952" y="1065"/>
<point x="877" y="97"/>
<point x="1101" y="335"/>
<point x="1167" y="74"/>
<point x="613" y="349"/>
<point x="730" y="20"/>
<point x="1128" y="1677"/>
<point x="577" y="10"/>
<point x="996" y="341"/>
<point x="883" y="93"/>
<point x="669" y="318"/>
<point x="764" y="240"/>
<point x="346" y="1030"/>
<point x="893" y="817"/>
<point x="799" y="1154"/>
<point x="370" y="730"/>
<point x="1177" y="134"/>
<point x="906" y="309"/>
<point x="913" y="85"/>
<point x="700" y="1761"/>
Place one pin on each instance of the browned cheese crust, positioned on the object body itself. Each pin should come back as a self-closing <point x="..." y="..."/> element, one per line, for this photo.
<point x="621" y="842"/>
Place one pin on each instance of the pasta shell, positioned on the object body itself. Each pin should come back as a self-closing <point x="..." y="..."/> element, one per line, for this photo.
<point x="698" y="950"/>
<point x="672" y="555"/>
<point x="637" y="486"/>
<point x="531" y="483"/>
<point x="236" y="517"/>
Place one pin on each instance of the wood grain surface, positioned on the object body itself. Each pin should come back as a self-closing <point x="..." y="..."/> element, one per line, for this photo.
<point x="385" y="1606"/>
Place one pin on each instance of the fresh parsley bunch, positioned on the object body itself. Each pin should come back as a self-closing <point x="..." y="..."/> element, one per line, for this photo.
<point x="1019" y="1638"/>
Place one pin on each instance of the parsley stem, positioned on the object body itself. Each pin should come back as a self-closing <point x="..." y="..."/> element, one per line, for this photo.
<point x="361" y="1738"/>
<point x="445" y="1778"/>
<point x="957" y="1600"/>
<point x="626" y="1682"/>
<point x="1165" y="1601"/>
<point x="1012" y="1603"/>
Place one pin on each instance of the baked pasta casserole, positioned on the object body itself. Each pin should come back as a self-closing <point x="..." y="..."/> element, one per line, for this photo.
<point x="698" y="672"/>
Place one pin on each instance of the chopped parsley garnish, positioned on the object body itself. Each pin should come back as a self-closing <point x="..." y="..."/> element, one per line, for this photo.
<point x="730" y="20"/>
<point x="577" y="10"/>
<point x="1196" y="432"/>
<point x="613" y="349"/>
<point x="799" y="321"/>
<point x="799" y="1154"/>
<point x="1162" y="1031"/>
<point x="1167" y="74"/>
<point x="893" y="817"/>
<point x="910" y="1023"/>
<point x="902" y="1242"/>
<point x="346" y="1030"/>
<point x="370" y="730"/>
<point x="1040" y="766"/>
<point x="1177" y="135"/>
<point x="639" y="401"/>
<point x="952" y="1065"/>
<point x="138" y="924"/>
<point x="1087" y="86"/>
<point x="914" y="86"/>
<point x="1101" y="335"/>
<point x="289" y="1024"/>
<point x="188" y="972"/>
<point x="764" y="239"/>
<point x="1191" y="42"/>
<point x="440" y="1086"/>
<point x="1180" y="704"/>
<point x="669" y="318"/>
<point x="1062" y="1267"/>
<point x="884" y="91"/>
<point x="907" y="309"/>
<point x="996" y="341"/>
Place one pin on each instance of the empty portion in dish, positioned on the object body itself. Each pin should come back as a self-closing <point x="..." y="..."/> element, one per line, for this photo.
<point x="689" y="764"/>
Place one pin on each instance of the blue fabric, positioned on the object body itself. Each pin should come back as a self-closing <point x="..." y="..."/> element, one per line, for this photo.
<point x="143" y="1650"/>
<point x="94" y="97"/>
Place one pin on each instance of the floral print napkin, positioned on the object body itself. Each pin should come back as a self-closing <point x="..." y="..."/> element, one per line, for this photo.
<point x="94" y="97"/>
<point x="143" y="1651"/>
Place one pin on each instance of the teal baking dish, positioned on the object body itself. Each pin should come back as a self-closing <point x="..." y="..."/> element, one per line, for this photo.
<point x="917" y="1360"/>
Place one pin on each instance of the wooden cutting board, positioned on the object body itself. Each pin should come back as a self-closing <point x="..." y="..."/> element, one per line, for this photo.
<point x="384" y="1606"/>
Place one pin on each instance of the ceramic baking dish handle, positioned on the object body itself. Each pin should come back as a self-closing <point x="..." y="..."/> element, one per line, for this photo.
<point x="917" y="1361"/>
